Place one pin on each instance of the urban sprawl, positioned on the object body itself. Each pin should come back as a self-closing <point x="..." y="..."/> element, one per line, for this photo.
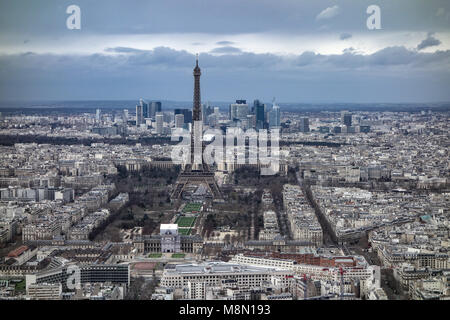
<point x="359" y="209"/>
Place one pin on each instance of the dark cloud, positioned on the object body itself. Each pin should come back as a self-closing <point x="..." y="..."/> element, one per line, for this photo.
<point x="430" y="41"/>
<point x="226" y="49"/>
<point x="225" y="43"/>
<point x="123" y="50"/>
<point x="345" y="36"/>
<point x="349" y="50"/>
<point x="391" y="74"/>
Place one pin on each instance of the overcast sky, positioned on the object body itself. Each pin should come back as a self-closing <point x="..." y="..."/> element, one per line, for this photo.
<point x="294" y="50"/>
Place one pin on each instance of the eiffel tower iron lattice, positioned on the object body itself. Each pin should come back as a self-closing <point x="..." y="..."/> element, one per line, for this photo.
<point x="196" y="173"/>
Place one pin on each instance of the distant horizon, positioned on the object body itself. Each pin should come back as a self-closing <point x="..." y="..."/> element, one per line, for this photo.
<point x="34" y="107"/>
<point x="249" y="101"/>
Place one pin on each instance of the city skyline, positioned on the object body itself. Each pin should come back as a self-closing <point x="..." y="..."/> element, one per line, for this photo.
<point x="237" y="151"/>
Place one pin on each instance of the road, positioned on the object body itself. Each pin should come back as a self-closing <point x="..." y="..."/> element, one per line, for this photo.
<point x="329" y="238"/>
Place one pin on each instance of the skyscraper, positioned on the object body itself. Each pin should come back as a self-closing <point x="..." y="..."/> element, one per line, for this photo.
<point x="159" y="122"/>
<point x="232" y="111"/>
<point x="251" y="121"/>
<point x="239" y="110"/>
<point x="346" y="118"/>
<point x="97" y="114"/>
<point x="154" y="108"/>
<point x="206" y="111"/>
<point x="139" y="115"/>
<point x="274" y="117"/>
<point x="304" y="124"/>
<point x="186" y="113"/>
<point x="145" y="111"/>
<point x="259" y="113"/>
<point x="179" y="120"/>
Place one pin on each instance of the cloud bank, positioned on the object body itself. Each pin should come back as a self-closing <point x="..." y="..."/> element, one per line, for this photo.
<point x="394" y="74"/>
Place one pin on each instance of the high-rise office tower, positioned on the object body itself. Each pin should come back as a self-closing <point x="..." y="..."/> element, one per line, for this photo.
<point x="212" y="120"/>
<point x="125" y="115"/>
<point x="159" y="123"/>
<point x="154" y="108"/>
<point x="139" y="115"/>
<point x="97" y="114"/>
<point x="158" y="106"/>
<point x="179" y="120"/>
<point x="186" y="113"/>
<point x="145" y="110"/>
<point x="242" y="111"/>
<point x="259" y="114"/>
<point x="304" y="124"/>
<point x="232" y="111"/>
<point x="346" y="118"/>
<point x="251" y="121"/>
<point x="274" y="117"/>
<point x="206" y="111"/>
<point x="239" y="110"/>
<point x="216" y="111"/>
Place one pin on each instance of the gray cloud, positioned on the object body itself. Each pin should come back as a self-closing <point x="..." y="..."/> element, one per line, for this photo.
<point x="349" y="50"/>
<point x="442" y="13"/>
<point x="391" y="74"/>
<point x="226" y="49"/>
<point x="123" y="50"/>
<point x="430" y="41"/>
<point x="225" y="43"/>
<point x="345" y="36"/>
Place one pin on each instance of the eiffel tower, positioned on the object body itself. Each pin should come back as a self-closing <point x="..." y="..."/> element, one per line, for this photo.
<point x="196" y="173"/>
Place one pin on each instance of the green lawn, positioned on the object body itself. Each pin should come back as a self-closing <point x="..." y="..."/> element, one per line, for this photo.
<point x="20" y="286"/>
<point x="185" y="221"/>
<point x="155" y="255"/>
<point x="184" y="231"/>
<point x="191" y="207"/>
<point x="178" y="255"/>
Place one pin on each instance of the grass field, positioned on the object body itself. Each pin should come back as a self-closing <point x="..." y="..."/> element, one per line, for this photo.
<point x="185" y="222"/>
<point x="155" y="255"/>
<point x="178" y="255"/>
<point x="20" y="286"/>
<point x="184" y="232"/>
<point x="191" y="207"/>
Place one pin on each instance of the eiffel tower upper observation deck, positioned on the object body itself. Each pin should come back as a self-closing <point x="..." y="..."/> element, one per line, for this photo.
<point x="196" y="172"/>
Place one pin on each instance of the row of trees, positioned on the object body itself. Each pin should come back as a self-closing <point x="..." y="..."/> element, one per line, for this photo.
<point x="10" y="140"/>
